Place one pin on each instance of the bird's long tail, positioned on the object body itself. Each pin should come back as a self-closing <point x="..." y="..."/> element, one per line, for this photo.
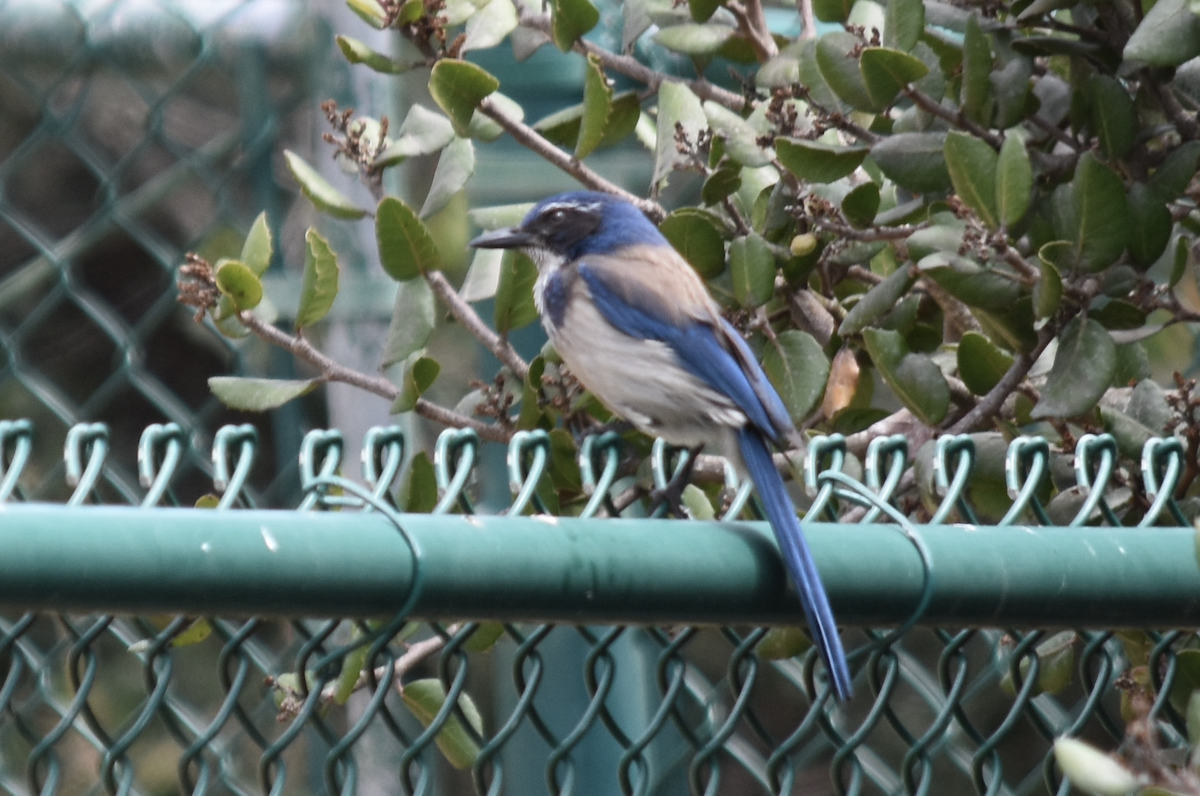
<point x="796" y="557"/>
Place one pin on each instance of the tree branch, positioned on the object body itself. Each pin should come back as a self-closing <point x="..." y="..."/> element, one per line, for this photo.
<point x="928" y="104"/>
<point x="465" y="314"/>
<point x="333" y="371"/>
<point x="753" y="22"/>
<point x="990" y="404"/>
<point x="633" y="68"/>
<point x="529" y="138"/>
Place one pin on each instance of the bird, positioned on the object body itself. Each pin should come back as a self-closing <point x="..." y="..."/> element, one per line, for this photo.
<point x="638" y="328"/>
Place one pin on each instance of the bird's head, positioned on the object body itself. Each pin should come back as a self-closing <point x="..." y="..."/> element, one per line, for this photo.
<point x="571" y="225"/>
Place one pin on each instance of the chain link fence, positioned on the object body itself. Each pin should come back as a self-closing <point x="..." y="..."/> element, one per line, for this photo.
<point x="131" y="132"/>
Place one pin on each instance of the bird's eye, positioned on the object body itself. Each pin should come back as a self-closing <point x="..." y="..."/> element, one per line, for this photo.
<point x="558" y="214"/>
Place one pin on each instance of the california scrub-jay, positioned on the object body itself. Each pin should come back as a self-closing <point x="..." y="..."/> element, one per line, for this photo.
<point x="637" y="327"/>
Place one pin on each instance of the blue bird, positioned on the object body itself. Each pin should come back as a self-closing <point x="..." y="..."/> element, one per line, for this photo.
<point x="637" y="327"/>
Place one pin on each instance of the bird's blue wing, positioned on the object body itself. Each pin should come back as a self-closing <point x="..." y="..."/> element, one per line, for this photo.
<point x="716" y="355"/>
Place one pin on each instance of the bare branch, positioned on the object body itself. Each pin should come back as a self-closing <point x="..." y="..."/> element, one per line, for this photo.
<point x="631" y="67"/>
<point x="333" y="371"/>
<point x="753" y="22"/>
<point x="533" y="140"/>
<point x="927" y="103"/>
<point x="990" y="404"/>
<point x="465" y="314"/>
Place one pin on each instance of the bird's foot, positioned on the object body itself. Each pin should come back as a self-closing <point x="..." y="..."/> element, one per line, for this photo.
<point x="670" y="497"/>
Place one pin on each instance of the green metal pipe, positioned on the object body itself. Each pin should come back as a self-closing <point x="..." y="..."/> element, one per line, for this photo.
<point x="282" y="563"/>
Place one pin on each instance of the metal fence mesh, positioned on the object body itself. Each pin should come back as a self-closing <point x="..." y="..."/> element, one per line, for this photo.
<point x="154" y="705"/>
<point x="131" y="132"/>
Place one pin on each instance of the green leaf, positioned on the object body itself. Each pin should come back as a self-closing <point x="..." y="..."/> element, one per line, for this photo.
<point x="1092" y="771"/>
<point x="597" y="108"/>
<point x="678" y="108"/>
<point x="320" y="191"/>
<point x="422" y="133"/>
<point x="721" y="184"/>
<point x="257" y="250"/>
<point x="781" y="643"/>
<point x="972" y="166"/>
<point x="970" y="282"/>
<point x="1056" y="664"/>
<point x="486" y="129"/>
<point x="358" y="53"/>
<point x="695" y="39"/>
<point x="886" y="72"/>
<point x="413" y="318"/>
<point x="861" y="204"/>
<point x="1114" y="119"/>
<point x="976" y="102"/>
<point x="514" y="307"/>
<point x="352" y="666"/>
<point x="877" y="301"/>
<point x="1014" y="181"/>
<point x="832" y="10"/>
<point x="489" y="26"/>
<point x="1083" y="369"/>
<point x="740" y="137"/>
<point x="798" y="367"/>
<point x="368" y="11"/>
<point x="981" y="364"/>
<point x="696" y="503"/>
<point x="562" y="127"/>
<point x="420" y="493"/>
<point x="837" y="59"/>
<point x="945" y="235"/>
<point x="815" y="161"/>
<point x="1171" y="178"/>
<point x="1168" y="35"/>
<point x="406" y="249"/>
<point x="914" y="378"/>
<point x="694" y="235"/>
<point x="752" y="268"/>
<point x="904" y="22"/>
<point x="458" y="87"/>
<point x="320" y="284"/>
<point x="1047" y="292"/>
<point x="419" y="375"/>
<point x="425" y="698"/>
<point x="915" y="161"/>
<point x="485" y="637"/>
<point x="1187" y="678"/>
<point x="570" y="20"/>
<point x="1013" y="327"/>
<point x="258" y="395"/>
<point x="196" y="631"/>
<point x="240" y="283"/>
<point x="482" y="276"/>
<point x="1101" y="212"/>
<point x="810" y="76"/>
<point x="455" y="166"/>
<point x="1149" y="226"/>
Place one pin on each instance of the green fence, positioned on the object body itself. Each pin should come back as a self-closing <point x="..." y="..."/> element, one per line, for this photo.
<point x="603" y="656"/>
<point x="580" y="655"/>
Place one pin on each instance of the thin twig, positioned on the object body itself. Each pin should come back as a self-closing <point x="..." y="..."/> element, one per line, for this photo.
<point x="990" y="404"/>
<point x="632" y="68"/>
<point x="753" y="23"/>
<point x="333" y="371"/>
<point x="534" y="141"/>
<point x="465" y="314"/>
<point x="928" y="104"/>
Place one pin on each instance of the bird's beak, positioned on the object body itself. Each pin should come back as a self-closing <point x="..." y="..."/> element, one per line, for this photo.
<point x="507" y="238"/>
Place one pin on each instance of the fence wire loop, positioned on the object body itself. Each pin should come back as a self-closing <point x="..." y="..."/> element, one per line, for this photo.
<point x="605" y="446"/>
<point x="887" y="459"/>
<point x="16" y="445"/>
<point x="382" y="457"/>
<point x="84" y="441"/>
<point x="1162" y="468"/>
<point x="1026" y="465"/>
<point x="527" y="459"/>
<point x="1095" y="463"/>
<point x="453" y="464"/>
<point x="833" y="448"/>
<point x="230" y="482"/>
<point x="159" y="453"/>
<point x="953" y="463"/>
